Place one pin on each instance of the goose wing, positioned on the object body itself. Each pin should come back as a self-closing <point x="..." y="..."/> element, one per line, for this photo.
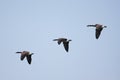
<point x="66" y="46"/>
<point x="98" y="32"/>
<point x="22" y="56"/>
<point x="91" y="25"/>
<point x="60" y="40"/>
<point x="29" y="59"/>
<point x="18" y="52"/>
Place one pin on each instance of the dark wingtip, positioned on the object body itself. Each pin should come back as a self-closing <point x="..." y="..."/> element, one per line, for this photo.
<point x="55" y="39"/>
<point x="29" y="63"/>
<point x="91" y="25"/>
<point x="87" y="25"/>
<point x="66" y="51"/>
<point x="97" y="38"/>
<point x="18" y="52"/>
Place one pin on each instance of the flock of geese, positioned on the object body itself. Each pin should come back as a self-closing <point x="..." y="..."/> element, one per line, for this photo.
<point x="65" y="42"/>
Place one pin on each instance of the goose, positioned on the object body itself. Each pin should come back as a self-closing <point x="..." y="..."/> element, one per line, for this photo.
<point x="99" y="28"/>
<point x="65" y="42"/>
<point x="26" y="54"/>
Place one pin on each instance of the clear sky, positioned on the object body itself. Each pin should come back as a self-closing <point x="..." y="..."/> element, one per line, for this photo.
<point x="32" y="25"/>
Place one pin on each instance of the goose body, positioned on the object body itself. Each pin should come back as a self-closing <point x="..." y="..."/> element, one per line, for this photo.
<point x="98" y="29"/>
<point x="65" y="42"/>
<point x="26" y="54"/>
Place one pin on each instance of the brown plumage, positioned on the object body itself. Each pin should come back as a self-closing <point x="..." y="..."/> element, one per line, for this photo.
<point x="65" y="42"/>
<point x="26" y="54"/>
<point x="99" y="28"/>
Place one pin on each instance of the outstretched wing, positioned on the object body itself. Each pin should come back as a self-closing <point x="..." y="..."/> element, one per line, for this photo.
<point x="98" y="32"/>
<point x="91" y="25"/>
<point x="66" y="46"/>
<point x="29" y="59"/>
<point x="60" y="40"/>
<point x="22" y="56"/>
<point x="18" y="52"/>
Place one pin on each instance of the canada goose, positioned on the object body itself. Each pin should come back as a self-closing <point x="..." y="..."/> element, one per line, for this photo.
<point x="99" y="28"/>
<point x="65" y="42"/>
<point x="26" y="54"/>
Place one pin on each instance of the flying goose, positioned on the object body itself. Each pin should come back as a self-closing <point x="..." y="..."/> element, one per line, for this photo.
<point x="99" y="28"/>
<point x="26" y="54"/>
<point x="65" y="42"/>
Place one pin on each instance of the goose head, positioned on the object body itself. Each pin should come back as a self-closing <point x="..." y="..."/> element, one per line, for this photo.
<point x="105" y="27"/>
<point x="69" y="40"/>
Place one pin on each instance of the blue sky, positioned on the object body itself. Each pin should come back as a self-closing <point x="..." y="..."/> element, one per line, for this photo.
<point x="32" y="25"/>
